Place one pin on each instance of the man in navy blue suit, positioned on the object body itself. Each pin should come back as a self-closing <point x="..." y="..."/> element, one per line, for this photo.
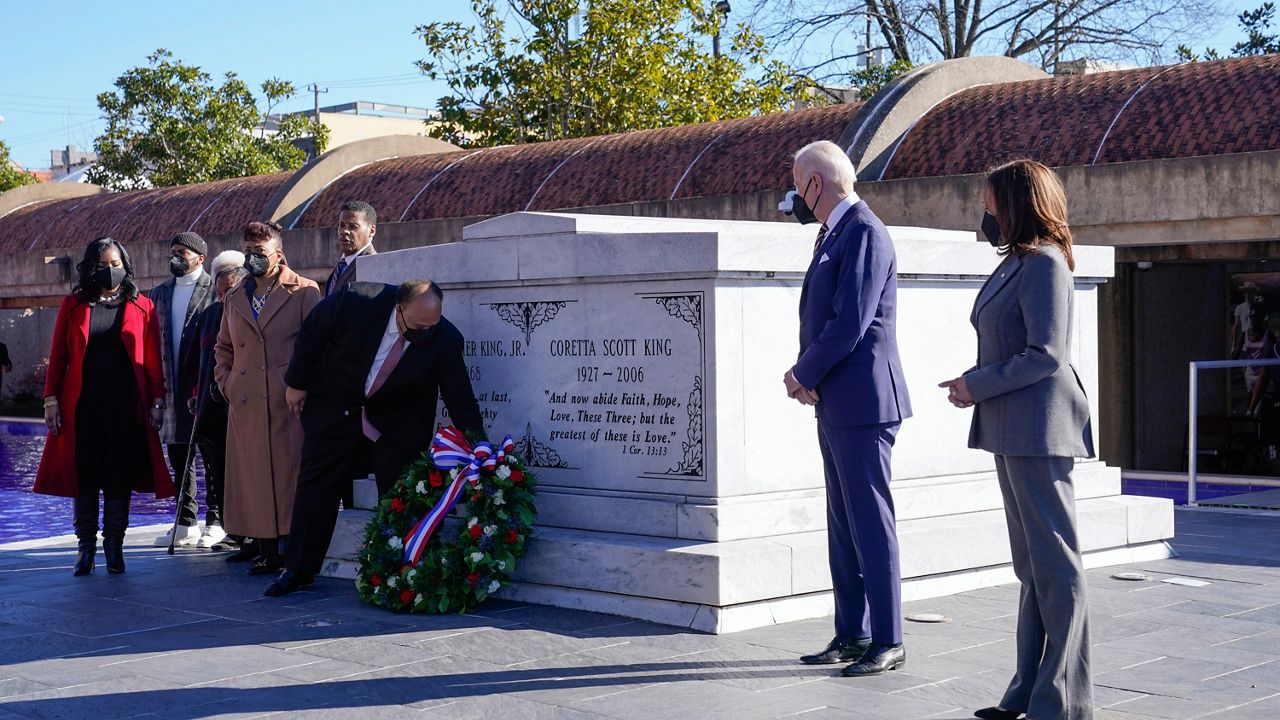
<point x="849" y="369"/>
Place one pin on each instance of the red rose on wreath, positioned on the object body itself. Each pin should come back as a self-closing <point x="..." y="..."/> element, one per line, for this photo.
<point x="397" y="505"/>
<point x="512" y="537"/>
<point x="376" y="580"/>
<point x="477" y="498"/>
<point x="476" y="531"/>
<point x="406" y="597"/>
<point x="473" y="579"/>
<point x="435" y="479"/>
<point x="517" y="476"/>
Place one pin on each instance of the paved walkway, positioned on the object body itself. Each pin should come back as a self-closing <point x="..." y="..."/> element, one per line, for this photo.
<point x="184" y="637"/>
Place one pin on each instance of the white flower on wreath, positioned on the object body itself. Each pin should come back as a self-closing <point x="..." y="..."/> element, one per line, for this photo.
<point x="411" y="575"/>
<point x="421" y="487"/>
<point x="417" y="598"/>
<point x="395" y="543"/>
<point x="473" y="521"/>
<point x="503" y="472"/>
<point x="498" y="499"/>
<point x="477" y="556"/>
<point x="502" y="564"/>
<point x="490" y="530"/>
<point x="393" y="581"/>
<point x="453" y="474"/>
<point x="493" y="587"/>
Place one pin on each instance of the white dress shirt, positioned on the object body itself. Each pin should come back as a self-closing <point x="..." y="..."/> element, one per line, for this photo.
<point x="840" y="209"/>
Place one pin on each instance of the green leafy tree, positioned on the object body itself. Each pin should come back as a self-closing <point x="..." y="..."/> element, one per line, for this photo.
<point x="168" y="123"/>
<point x="870" y="80"/>
<point x="1259" y="39"/>
<point x="532" y="70"/>
<point x="10" y="176"/>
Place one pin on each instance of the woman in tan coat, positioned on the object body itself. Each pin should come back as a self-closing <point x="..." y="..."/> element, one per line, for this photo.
<point x="260" y="321"/>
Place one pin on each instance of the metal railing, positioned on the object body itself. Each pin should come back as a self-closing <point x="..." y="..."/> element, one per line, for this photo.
<point x="1193" y="408"/>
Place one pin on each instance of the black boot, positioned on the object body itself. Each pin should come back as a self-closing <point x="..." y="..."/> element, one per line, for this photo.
<point x="269" y="560"/>
<point x="115" y="518"/>
<point x="86" y="524"/>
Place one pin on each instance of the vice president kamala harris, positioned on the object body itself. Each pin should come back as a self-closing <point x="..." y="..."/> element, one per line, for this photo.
<point x="1032" y="413"/>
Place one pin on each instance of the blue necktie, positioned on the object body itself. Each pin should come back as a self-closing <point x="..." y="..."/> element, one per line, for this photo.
<point x="337" y="275"/>
<point x="822" y="235"/>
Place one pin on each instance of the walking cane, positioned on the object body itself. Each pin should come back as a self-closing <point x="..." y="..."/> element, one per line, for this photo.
<point x="188" y="468"/>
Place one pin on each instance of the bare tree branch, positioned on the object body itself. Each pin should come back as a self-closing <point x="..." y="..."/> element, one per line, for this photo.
<point x="815" y="34"/>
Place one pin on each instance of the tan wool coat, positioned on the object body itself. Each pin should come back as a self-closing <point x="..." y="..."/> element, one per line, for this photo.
<point x="264" y="439"/>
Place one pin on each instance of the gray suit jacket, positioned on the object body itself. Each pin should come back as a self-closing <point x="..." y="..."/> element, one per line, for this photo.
<point x="1030" y="401"/>
<point x="178" y="381"/>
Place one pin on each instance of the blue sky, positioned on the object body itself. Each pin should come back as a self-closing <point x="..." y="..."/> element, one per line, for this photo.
<point x="57" y="55"/>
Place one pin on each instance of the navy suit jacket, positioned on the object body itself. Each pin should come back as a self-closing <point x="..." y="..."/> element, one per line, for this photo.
<point x="848" y="340"/>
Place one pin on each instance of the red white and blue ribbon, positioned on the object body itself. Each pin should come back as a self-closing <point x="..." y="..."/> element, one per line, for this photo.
<point x="508" y="447"/>
<point x="449" y="450"/>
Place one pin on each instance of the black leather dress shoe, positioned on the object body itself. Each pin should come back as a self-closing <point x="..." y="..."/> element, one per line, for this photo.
<point x="995" y="713"/>
<point x="877" y="660"/>
<point x="288" y="582"/>
<point x="267" y="564"/>
<point x="247" y="553"/>
<point x="837" y="651"/>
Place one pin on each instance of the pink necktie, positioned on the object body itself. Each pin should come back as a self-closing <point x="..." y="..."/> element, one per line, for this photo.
<point x="388" y="364"/>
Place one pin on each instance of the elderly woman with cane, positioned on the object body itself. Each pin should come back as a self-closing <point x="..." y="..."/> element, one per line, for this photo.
<point x="104" y="403"/>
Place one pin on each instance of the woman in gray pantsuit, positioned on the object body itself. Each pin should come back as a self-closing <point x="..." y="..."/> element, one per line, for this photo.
<point x="1032" y="413"/>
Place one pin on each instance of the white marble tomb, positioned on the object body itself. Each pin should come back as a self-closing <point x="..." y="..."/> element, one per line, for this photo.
<point x="638" y="363"/>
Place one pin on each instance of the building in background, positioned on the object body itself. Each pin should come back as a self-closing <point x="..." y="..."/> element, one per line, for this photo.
<point x="70" y="161"/>
<point x="362" y="120"/>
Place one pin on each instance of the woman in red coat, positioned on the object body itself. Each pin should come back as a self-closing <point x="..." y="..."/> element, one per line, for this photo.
<point x="103" y="403"/>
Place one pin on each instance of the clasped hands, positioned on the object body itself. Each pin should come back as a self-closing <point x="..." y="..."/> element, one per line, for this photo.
<point x="798" y="392"/>
<point x="957" y="392"/>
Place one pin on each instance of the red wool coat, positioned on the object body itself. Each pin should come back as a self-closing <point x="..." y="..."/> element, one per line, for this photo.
<point x="140" y="331"/>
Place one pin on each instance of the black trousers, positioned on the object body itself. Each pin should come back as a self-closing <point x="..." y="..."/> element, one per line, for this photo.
<point x="330" y="463"/>
<point x="184" y="480"/>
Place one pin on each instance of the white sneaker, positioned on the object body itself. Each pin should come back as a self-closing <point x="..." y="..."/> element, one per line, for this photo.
<point x="211" y="536"/>
<point x="187" y="535"/>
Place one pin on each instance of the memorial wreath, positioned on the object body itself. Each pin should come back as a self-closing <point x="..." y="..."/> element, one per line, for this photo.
<point x="407" y="566"/>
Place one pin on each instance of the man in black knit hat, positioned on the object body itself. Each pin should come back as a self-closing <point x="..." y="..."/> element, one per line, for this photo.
<point x="179" y="301"/>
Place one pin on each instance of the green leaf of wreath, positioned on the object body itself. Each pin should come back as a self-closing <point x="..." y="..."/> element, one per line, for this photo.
<point x="449" y="576"/>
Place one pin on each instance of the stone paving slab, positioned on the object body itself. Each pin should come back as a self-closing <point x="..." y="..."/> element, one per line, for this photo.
<point x="190" y="636"/>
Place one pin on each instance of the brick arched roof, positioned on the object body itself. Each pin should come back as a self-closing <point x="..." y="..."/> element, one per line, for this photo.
<point x="214" y="208"/>
<point x="1204" y="108"/>
<point x="727" y="157"/>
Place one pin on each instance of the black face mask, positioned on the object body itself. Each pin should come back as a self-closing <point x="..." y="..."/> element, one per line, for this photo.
<point x="412" y="335"/>
<point x="108" y="278"/>
<point x="178" y="265"/>
<point x="257" y="264"/>
<point x="991" y="229"/>
<point x="800" y="209"/>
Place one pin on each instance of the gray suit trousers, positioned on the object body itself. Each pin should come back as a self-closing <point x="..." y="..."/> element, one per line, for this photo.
<point x="1052" y="680"/>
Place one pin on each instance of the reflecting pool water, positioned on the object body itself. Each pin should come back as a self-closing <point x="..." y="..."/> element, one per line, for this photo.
<point x="24" y="515"/>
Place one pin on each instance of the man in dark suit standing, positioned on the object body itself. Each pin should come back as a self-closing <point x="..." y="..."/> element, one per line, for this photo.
<point x="357" y="224"/>
<point x="367" y="371"/>
<point x="849" y="369"/>
<point x="179" y="302"/>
